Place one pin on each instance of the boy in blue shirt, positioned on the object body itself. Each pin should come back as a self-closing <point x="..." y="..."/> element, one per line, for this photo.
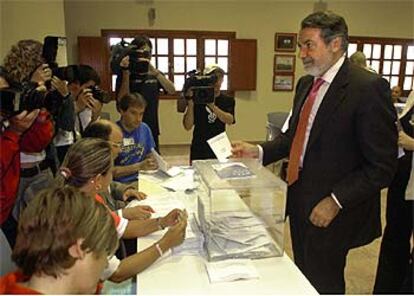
<point x="138" y="142"/>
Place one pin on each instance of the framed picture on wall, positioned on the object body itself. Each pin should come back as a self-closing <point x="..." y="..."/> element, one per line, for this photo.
<point x="283" y="82"/>
<point x="284" y="63"/>
<point x="285" y="41"/>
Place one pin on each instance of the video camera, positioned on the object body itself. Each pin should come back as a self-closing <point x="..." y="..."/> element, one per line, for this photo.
<point x="201" y="85"/>
<point x="138" y="58"/>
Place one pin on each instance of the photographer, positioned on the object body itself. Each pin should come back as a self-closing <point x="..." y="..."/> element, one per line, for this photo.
<point x="25" y="132"/>
<point x="137" y="74"/>
<point x="86" y="106"/>
<point x="209" y="119"/>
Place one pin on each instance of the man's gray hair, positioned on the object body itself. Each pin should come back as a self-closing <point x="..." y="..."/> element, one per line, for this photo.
<point x="331" y="25"/>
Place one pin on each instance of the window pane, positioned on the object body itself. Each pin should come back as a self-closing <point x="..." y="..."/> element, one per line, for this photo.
<point x="375" y="65"/>
<point x="223" y="63"/>
<point x="409" y="68"/>
<point x="223" y="47"/>
<point x="395" y="68"/>
<point x="367" y="50"/>
<point x="210" y="47"/>
<point x="179" y="81"/>
<point x="224" y="85"/>
<point x="376" y="54"/>
<point x="386" y="78"/>
<point x="113" y="82"/>
<point x="408" y="83"/>
<point x="191" y="63"/>
<point x="179" y="66"/>
<point x="153" y="44"/>
<point x="191" y="46"/>
<point x="394" y="81"/>
<point x="397" y="51"/>
<point x="113" y="41"/>
<point x="163" y="64"/>
<point x="410" y="52"/>
<point x="153" y="61"/>
<point x="386" y="68"/>
<point x="352" y="47"/>
<point x="129" y="40"/>
<point x="162" y="46"/>
<point x="388" y="52"/>
<point x="178" y="46"/>
<point x="209" y="61"/>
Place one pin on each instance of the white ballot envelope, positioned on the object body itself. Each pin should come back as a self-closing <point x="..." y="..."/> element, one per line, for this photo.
<point x="221" y="146"/>
<point x="164" y="166"/>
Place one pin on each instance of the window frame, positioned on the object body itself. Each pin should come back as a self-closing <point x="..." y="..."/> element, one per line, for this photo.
<point x="404" y="42"/>
<point x="200" y="36"/>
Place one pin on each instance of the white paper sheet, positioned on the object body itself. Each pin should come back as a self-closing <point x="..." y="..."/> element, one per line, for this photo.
<point x="231" y="270"/>
<point x="164" y="166"/>
<point x="221" y="146"/>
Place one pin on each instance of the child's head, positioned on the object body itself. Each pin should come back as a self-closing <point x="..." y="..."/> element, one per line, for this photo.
<point x="63" y="232"/>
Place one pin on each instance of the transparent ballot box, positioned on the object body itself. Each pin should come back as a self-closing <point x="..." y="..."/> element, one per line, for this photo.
<point x="241" y="209"/>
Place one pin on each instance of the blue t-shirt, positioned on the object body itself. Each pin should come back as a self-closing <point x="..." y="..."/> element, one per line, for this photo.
<point x="136" y="145"/>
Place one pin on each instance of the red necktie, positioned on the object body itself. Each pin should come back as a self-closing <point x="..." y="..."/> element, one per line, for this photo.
<point x="299" y="138"/>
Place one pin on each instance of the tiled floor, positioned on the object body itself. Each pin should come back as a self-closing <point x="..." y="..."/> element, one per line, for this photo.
<point x="361" y="263"/>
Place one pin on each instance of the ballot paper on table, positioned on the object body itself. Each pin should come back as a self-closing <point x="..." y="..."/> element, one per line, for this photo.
<point x="162" y="204"/>
<point x="181" y="182"/>
<point x="233" y="170"/>
<point x="164" y="166"/>
<point x="221" y="146"/>
<point x="231" y="270"/>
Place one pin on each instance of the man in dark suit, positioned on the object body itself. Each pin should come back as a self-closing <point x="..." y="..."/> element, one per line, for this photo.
<point x="342" y="148"/>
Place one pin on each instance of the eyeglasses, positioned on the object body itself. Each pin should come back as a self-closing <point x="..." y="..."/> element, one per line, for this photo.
<point x="116" y="145"/>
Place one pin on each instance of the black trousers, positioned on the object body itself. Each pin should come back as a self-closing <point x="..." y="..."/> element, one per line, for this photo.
<point x="157" y="143"/>
<point x="321" y="259"/>
<point x="395" y="257"/>
<point x="61" y="152"/>
<point x="9" y="228"/>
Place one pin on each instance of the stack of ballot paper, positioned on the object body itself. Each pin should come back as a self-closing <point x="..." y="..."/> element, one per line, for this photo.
<point x="238" y="234"/>
<point x="231" y="270"/>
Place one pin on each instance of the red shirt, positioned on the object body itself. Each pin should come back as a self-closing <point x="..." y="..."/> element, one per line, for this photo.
<point x="9" y="284"/>
<point x="116" y="218"/>
<point x="35" y="139"/>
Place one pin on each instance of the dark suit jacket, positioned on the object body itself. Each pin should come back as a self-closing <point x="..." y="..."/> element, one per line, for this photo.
<point x="351" y="152"/>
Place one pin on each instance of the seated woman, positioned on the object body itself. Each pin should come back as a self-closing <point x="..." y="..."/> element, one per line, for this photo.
<point x="63" y="242"/>
<point x="88" y="166"/>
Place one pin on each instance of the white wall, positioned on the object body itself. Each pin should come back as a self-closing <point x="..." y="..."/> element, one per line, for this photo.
<point x="29" y="19"/>
<point x="255" y="19"/>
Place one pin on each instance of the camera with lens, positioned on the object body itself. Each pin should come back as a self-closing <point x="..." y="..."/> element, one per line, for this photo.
<point x="202" y="86"/>
<point x="99" y="94"/>
<point x="9" y="106"/>
<point x="138" y="59"/>
<point x="27" y="96"/>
